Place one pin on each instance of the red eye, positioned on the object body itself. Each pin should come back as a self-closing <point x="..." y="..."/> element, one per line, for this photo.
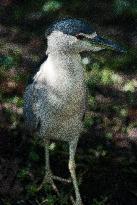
<point x="79" y="36"/>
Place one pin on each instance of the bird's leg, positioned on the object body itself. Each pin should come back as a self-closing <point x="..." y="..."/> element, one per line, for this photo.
<point x="48" y="178"/>
<point x="72" y="167"/>
<point x="48" y="174"/>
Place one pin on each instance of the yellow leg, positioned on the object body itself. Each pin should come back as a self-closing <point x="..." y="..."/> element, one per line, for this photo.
<point x="72" y="167"/>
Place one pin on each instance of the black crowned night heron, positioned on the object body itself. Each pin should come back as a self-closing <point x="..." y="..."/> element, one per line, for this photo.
<point x="54" y="103"/>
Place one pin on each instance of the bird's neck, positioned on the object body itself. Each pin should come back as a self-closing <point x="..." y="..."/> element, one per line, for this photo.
<point x="61" y="68"/>
<point x="70" y="62"/>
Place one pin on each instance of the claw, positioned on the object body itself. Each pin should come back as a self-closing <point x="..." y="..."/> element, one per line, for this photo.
<point x="78" y="202"/>
<point x="49" y="177"/>
<point x="61" y="179"/>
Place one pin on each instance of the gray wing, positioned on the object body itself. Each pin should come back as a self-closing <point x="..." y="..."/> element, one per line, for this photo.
<point x="30" y="110"/>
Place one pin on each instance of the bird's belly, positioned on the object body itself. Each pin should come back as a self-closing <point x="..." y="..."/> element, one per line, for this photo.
<point x="63" y="119"/>
<point x="67" y="104"/>
<point x="66" y="129"/>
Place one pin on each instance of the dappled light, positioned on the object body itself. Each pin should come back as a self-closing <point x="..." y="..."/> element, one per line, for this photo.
<point x="106" y="156"/>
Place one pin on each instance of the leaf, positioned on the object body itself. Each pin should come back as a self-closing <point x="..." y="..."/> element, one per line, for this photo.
<point x="52" y="6"/>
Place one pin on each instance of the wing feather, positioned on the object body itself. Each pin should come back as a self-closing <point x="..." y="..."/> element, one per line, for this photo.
<point x="30" y="109"/>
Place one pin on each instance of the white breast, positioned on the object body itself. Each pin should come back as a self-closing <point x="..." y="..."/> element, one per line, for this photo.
<point x="63" y="87"/>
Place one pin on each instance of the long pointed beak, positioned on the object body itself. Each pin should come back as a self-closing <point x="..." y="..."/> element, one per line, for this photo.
<point x="107" y="44"/>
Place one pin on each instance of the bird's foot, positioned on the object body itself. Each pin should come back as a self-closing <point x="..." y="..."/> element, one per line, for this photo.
<point x="77" y="202"/>
<point x="49" y="177"/>
<point x="61" y="179"/>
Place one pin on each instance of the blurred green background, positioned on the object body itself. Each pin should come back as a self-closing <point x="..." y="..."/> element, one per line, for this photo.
<point x="107" y="151"/>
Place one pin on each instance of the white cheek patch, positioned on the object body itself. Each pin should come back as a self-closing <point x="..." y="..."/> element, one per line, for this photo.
<point x="58" y="40"/>
<point x="90" y="36"/>
<point x="59" y="34"/>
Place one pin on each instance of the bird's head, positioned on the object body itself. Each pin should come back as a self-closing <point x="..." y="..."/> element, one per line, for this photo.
<point x="73" y="35"/>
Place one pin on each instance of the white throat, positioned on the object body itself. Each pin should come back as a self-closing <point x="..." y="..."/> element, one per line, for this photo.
<point x="60" y="64"/>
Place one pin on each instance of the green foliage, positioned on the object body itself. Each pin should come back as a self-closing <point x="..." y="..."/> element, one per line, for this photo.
<point x="7" y="62"/>
<point x="98" y="152"/>
<point x="51" y="200"/>
<point x="116" y="78"/>
<point x="88" y="122"/>
<point x="101" y="201"/>
<point x="10" y="60"/>
<point x="108" y="113"/>
<point x="52" y="6"/>
<point x="33" y="156"/>
<point x="124" y="112"/>
<point x="31" y="190"/>
<point x="125" y="6"/>
<point x="108" y="136"/>
<point x="93" y="77"/>
<point x="15" y="100"/>
<point x="92" y="102"/>
<point x="23" y="173"/>
<point x="121" y="6"/>
<point x="129" y="86"/>
<point x="106" y="76"/>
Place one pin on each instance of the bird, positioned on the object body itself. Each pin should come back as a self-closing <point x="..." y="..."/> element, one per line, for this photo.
<point x="55" y="99"/>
